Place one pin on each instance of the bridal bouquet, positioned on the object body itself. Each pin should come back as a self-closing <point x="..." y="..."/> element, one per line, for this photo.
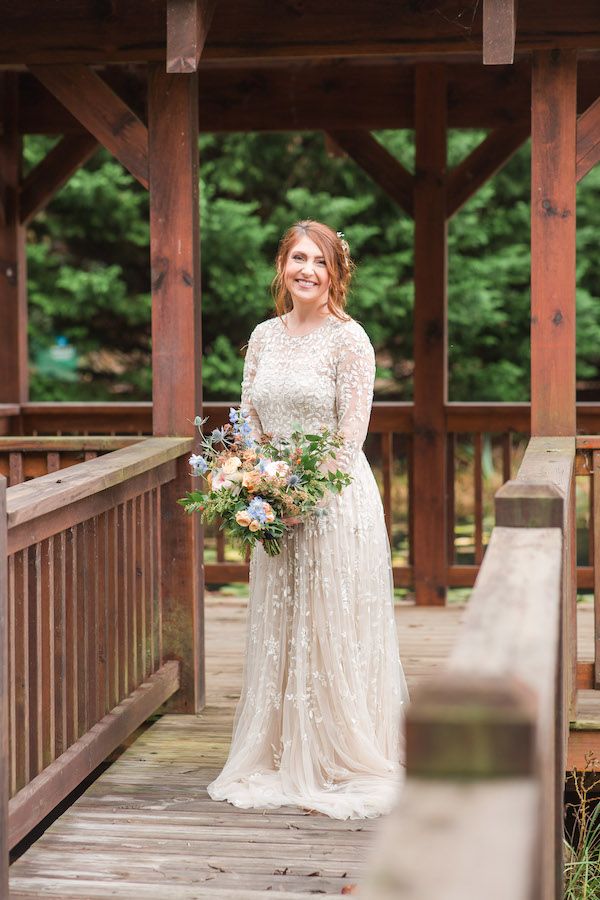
<point x="253" y="485"/>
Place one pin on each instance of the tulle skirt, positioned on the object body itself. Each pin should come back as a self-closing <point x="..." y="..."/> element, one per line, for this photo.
<point x="319" y="722"/>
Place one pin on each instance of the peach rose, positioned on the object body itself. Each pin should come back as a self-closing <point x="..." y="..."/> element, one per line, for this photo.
<point x="254" y="525"/>
<point x="231" y="465"/>
<point x="243" y="518"/>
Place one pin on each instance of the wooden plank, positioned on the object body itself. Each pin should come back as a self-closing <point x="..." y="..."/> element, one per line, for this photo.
<point x="35" y="800"/>
<point x="4" y="696"/>
<point x="588" y="139"/>
<point x="176" y="375"/>
<point x="188" y="22"/>
<point x="553" y="143"/>
<point x="14" y="375"/>
<point x="430" y="336"/>
<point x="30" y="501"/>
<point x="84" y="93"/>
<point x="45" y="180"/>
<point x="596" y="508"/>
<point x="385" y="170"/>
<point x="499" y="31"/>
<point x="482" y="164"/>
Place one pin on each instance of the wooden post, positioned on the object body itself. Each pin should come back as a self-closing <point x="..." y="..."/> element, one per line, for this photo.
<point x="176" y="359"/>
<point x="13" y="274"/>
<point x="430" y="336"/>
<point x="4" y="750"/>
<point x="553" y="182"/>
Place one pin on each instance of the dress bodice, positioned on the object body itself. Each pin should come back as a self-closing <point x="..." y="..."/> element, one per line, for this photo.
<point x="320" y="379"/>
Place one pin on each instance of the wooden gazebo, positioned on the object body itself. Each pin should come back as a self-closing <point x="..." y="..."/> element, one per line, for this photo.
<point x="102" y="577"/>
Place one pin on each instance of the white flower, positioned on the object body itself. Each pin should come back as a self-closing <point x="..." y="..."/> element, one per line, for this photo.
<point x="231" y="465"/>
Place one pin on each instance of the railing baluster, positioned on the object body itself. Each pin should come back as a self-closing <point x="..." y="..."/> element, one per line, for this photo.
<point x="60" y="643"/>
<point x="72" y="637"/>
<point x="21" y="748"/>
<point x="102" y="617"/>
<point x="478" y="479"/>
<point x="12" y="671"/>
<point x="46" y="657"/>
<point x="596" y="492"/>
<point x="450" y="506"/>
<point x="15" y="469"/>
<point x="82" y="630"/>
<point x="387" y="461"/>
<point x="132" y="591"/>
<point x="123" y="623"/>
<point x="112" y="614"/>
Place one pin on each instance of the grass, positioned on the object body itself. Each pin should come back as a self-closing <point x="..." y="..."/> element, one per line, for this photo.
<point x="582" y="836"/>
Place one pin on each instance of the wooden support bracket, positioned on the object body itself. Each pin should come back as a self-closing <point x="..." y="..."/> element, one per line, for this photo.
<point x="42" y="182"/>
<point x="379" y="164"/>
<point x="482" y="163"/>
<point x="188" y="22"/>
<point x="499" y="31"/>
<point x="588" y="139"/>
<point x="102" y="112"/>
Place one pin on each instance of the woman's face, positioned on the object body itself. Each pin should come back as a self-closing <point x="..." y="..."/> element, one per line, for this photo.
<point x="305" y="273"/>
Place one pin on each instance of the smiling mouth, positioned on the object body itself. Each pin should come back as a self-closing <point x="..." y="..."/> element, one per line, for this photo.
<point x="306" y="283"/>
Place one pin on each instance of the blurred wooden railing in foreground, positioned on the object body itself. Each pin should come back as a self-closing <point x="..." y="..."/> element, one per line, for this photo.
<point x="81" y="606"/>
<point x="486" y="739"/>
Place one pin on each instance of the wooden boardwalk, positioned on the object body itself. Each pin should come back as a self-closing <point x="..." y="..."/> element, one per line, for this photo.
<point x="147" y="828"/>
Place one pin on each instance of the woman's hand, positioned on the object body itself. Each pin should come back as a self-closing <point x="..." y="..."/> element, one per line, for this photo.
<point x="292" y="520"/>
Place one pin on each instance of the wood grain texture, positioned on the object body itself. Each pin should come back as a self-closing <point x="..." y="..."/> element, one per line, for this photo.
<point x="188" y="22"/>
<point x="430" y="336"/>
<point x="84" y="93"/>
<point x="588" y="139"/>
<point x="553" y="227"/>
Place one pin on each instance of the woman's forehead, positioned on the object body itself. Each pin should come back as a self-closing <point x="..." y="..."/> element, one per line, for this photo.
<point x="307" y="246"/>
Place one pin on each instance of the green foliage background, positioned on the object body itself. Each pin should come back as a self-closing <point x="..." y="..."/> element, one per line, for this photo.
<point x="89" y="267"/>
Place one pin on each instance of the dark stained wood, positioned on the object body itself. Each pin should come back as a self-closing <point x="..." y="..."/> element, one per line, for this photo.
<point x="188" y="22"/>
<point x="430" y="337"/>
<point x="57" y="780"/>
<point x="176" y="337"/>
<point x="135" y="31"/>
<point x="499" y="31"/>
<point x="553" y="221"/>
<point x="482" y="163"/>
<point x="102" y="112"/>
<point x="14" y="377"/>
<point x="385" y="170"/>
<point x="43" y="181"/>
<point x="4" y="696"/>
<point x="588" y="139"/>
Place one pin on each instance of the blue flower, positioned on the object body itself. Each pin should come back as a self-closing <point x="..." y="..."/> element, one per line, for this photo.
<point x="198" y="464"/>
<point x="233" y="415"/>
<point x="294" y="480"/>
<point x="218" y="434"/>
<point x="246" y="428"/>
<point x="244" y="413"/>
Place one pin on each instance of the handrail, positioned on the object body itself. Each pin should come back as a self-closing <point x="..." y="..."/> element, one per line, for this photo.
<point x="486" y="738"/>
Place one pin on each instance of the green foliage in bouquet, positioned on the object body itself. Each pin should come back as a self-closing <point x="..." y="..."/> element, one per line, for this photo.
<point x="254" y="485"/>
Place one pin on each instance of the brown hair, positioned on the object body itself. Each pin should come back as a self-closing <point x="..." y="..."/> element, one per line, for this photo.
<point x="337" y="259"/>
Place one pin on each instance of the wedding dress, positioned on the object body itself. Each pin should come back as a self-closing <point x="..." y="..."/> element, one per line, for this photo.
<point x="319" y="720"/>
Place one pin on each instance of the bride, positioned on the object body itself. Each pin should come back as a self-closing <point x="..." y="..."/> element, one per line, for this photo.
<point x="319" y="720"/>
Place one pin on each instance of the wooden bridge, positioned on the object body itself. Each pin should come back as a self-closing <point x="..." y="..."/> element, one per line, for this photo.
<point x="102" y="579"/>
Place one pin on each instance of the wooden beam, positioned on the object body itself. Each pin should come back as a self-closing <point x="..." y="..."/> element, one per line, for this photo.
<point x="188" y="22"/>
<point x="134" y="30"/>
<point x="176" y="371"/>
<point x="42" y="182"/>
<point x="553" y="225"/>
<point x="430" y="336"/>
<point x="4" y="723"/>
<point x="353" y="95"/>
<point x="482" y="163"/>
<point x="14" y="363"/>
<point x="385" y="170"/>
<point x="499" y="31"/>
<point x="101" y="112"/>
<point x="588" y="139"/>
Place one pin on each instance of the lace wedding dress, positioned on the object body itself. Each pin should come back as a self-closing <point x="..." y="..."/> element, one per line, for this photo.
<point x="319" y="720"/>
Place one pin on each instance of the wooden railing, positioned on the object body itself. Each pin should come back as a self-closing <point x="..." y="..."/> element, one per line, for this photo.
<point x="478" y="435"/>
<point x="486" y="738"/>
<point x="81" y="607"/>
<point x="23" y="458"/>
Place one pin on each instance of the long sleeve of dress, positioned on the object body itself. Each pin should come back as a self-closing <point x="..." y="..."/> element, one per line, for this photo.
<point x="250" y="366"/>
<point x="355" y="377"/>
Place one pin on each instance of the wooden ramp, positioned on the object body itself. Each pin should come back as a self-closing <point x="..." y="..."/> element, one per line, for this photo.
<point x="147" y="828"/>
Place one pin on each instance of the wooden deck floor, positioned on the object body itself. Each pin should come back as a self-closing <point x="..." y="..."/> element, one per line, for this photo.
<point x="147" y="828"/>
